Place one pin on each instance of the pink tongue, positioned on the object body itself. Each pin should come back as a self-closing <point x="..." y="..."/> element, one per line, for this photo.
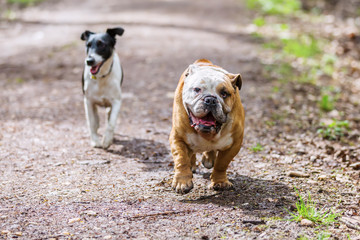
<point x="208" y="120"/>
<point x="94" y="69"/>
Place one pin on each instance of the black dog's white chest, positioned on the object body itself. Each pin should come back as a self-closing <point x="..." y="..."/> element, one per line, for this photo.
<point x="98" y="94"/>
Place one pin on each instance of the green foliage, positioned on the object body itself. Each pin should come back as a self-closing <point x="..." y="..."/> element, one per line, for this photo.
<point x="280" y="7"/>
<point x="257" y="148"/>
<point x="259" y="22"/>
<point x="334" y="130"/>
<point x="24" y="2"/>
<point x="328" y="98"/>
<point x="307" y="210"/>
<point x="326" y="103"/>
<point x="305" y="46"/>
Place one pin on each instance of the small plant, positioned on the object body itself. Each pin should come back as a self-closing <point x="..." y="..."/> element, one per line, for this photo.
<point x="334" y="130"/>
<point x="257" y="148"/>
<point x="307" y="210"/>
<point x="326" y="103"/>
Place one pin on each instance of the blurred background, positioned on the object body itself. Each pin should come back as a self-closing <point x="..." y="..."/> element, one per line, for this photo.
<point x="300" y="63"/>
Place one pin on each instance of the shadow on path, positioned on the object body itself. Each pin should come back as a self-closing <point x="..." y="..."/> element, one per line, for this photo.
<point x="254" y="196"/>
<point x="150" y="152"/>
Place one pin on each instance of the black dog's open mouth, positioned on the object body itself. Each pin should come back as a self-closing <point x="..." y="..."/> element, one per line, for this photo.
<point x="207" y="124"/>
<point x="95" y="69"/>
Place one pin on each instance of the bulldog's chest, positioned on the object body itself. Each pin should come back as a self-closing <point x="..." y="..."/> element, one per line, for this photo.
<point x="199" y="144"/>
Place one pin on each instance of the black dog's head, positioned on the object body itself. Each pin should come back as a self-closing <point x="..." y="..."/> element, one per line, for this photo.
<point x="99" y="47"/>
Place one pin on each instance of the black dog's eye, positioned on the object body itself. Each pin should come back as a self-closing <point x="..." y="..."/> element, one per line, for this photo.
<point x="100" y="44"/>
<point x="224" y="94"/>
<point x="197" y="90"/>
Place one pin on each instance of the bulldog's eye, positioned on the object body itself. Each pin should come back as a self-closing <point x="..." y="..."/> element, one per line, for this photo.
<point x="224" y="94"/>
<point x="197" y="90"/>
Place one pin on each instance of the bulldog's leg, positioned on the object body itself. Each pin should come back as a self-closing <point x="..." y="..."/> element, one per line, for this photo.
<point x="208" y="159"/>
<point x="92" y="119"/>
<point x="219" y="180"/>
<point x="112" y="117"/>
<point x="182" y="181"/>
<point x="193" y="163"/>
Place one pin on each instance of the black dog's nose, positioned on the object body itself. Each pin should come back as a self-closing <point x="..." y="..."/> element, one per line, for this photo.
<point x="90" y="61"/>
<point x="210" y="100"/>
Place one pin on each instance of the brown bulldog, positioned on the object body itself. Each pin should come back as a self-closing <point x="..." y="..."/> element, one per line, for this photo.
<point x="208" y="118"/>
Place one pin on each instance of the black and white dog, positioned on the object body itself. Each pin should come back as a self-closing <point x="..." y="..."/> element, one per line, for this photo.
<point x="101" y="82"/>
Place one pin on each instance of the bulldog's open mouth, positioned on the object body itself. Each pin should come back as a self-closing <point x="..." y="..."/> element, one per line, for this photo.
<point x="95" y="69"/>
<point x="207" y="124"/>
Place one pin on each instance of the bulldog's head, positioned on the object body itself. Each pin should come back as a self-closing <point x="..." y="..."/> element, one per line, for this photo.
<point x="208" y="95"/>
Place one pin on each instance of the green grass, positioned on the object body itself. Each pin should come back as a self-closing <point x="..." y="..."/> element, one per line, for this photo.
<point x="306" y="209"/>
<point x="24" y="2"/>
<point x="257" y="148"/>
<point x="334" y="130"/>
<point x="275" y="7"/>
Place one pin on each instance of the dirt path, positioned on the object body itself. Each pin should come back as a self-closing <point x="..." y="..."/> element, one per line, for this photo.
<point x="55" y="186"/>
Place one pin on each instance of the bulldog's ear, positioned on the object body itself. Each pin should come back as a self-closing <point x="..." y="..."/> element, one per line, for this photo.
<point x="85" y="35"/>
<point x="115" y="31"/>
<point x="236" y="80"/>
<point x="191" y="69"/>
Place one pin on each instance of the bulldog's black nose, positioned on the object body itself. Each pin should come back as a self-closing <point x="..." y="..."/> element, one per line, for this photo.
<point x="210" y="100"/>
<point x="90" y="61"/>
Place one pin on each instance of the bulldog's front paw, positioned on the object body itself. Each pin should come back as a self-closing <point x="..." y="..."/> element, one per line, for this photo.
<point x="182" y="184"/>
<point x="107" y="140"/>
<point x="221" y="186"/>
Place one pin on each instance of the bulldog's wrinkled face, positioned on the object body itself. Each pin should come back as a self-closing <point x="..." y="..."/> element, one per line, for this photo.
<point x="208" y="96"/>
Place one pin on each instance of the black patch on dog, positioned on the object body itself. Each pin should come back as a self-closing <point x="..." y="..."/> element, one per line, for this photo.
<point x="102" y="43"/>
<point x="85" y="35"/>
<point x="115" y="31"/>
<point x="82" y="81"/>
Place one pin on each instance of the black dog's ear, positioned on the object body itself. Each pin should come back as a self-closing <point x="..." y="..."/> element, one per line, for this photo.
<point x="85" y="35"/>
<point x="115" y="31"/>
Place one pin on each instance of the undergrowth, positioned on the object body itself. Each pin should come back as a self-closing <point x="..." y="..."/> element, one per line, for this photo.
<point x="307" y="209"/>
<point x="335" y="130"/>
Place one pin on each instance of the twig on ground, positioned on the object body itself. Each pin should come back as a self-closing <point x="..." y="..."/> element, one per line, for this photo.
<point x="160" y="214"/>
<point x="349" y="222"/>
<point x="255" y="222"/>
<point x="200" y="198"/>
